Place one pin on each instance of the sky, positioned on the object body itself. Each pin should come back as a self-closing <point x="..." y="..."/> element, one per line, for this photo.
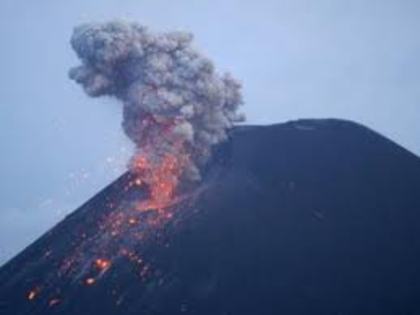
<point x="356" y="60"/>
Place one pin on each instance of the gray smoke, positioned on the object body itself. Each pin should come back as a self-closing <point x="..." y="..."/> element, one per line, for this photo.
<point x="173" y="99"/>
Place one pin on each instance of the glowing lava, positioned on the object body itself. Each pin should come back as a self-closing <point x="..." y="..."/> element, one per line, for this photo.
<point x="121" y="231"/>
<point x="162" y="180"/>
<point x="102" y="264"/>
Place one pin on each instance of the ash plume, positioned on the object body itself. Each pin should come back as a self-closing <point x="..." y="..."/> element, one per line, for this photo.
<point x="174" y="102"/>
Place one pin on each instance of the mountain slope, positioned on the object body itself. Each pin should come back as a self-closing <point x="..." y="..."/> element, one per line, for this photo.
<point x="308" y="217"/>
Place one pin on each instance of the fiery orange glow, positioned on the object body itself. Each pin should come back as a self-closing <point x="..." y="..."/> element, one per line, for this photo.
<point x="162" y="179"/>
<point x="126" y="225"/>
<point x="102" y="264"/>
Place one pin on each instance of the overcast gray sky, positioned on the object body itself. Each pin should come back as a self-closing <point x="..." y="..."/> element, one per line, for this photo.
<point x="356" y="60"/>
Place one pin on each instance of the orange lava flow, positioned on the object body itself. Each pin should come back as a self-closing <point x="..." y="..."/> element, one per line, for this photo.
<point x="162" y="179"/>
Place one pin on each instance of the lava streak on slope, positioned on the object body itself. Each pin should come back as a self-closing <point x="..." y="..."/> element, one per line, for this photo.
<point x="161" y="178"/>
<point x="120" y="234"/>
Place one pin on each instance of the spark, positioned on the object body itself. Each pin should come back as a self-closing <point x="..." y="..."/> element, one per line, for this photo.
<point x="90" y="281"/>
<point x="162" y="179"/>
<point x="102" y="264"/>
<point x="132" y="221"/>
<point x="47" y="253"/>
<point x="33" y="294"/>
<point x="53" y="302"/>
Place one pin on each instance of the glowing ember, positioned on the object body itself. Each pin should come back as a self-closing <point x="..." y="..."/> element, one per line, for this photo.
<point x="102" y="264"/>
<point x="162" y="179"/>
<point x="33" y="294"/>
<point x="90" y="281"/>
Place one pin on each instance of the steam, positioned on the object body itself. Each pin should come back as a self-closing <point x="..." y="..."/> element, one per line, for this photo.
<point x="174" y="102"/>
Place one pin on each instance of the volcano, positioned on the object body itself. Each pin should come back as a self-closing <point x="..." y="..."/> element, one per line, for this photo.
<point x="306" y="217"/>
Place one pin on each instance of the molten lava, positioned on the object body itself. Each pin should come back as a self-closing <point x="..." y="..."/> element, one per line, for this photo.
<point x="162" y="179"/>
<point x="119" y="233"/>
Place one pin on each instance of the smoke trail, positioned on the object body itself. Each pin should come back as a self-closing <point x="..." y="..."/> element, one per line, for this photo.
<point x="174" y="102"/>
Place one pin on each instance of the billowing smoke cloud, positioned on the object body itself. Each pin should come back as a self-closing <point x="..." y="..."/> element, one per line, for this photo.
<point x="174" y="102"/>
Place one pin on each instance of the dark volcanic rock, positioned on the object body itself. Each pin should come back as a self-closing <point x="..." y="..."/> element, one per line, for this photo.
<point x="308" y="217"/>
